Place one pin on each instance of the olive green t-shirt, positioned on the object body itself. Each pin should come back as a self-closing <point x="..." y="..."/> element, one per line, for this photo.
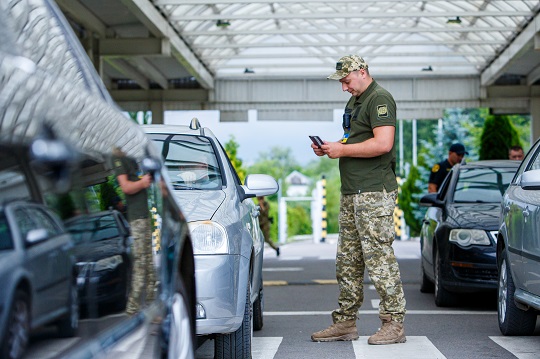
<point x="137" y="204"/>
<point x="375" y="107"/>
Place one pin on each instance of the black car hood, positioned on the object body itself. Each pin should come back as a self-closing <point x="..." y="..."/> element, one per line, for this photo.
<point x="94" y="251"/>
<point x="474" y="215"/>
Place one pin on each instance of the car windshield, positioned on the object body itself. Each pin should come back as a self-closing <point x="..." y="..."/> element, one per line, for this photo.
<point x="482" y="185"/>
<point x="190" y="160"/>
<point x="93" y="229"/>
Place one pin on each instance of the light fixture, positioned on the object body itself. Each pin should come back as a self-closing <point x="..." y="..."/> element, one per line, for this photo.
<point x="223" y="23"/>
<point x="455" y="20"/>
<point x="429" y="68"/>
<point x="249" y="71"/>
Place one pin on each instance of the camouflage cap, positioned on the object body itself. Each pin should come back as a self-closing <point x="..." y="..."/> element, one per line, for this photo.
<point x="346" y="65"/>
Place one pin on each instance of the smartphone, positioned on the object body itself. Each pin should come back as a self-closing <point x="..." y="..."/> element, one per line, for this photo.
<point x="317" y="141"/>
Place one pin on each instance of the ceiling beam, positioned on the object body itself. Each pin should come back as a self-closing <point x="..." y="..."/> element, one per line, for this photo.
<point x="346" y="15"/>
<point x="348" y="31"/>
<point x="83" y="16"/>
<point x="145" y="11"/>
<point x="135" y="47"/>
<point x="221" y="56"/>
<point x="351" y="43"/>
<point x="145" y="67"/>
<point x="129" y="71"/>
<point x="523" y="42"/>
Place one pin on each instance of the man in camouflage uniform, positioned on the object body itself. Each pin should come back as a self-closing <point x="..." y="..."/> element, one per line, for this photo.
<point x="368" y="196"/>
<point x="134" y="186"/>
<point x="264" y="222"/>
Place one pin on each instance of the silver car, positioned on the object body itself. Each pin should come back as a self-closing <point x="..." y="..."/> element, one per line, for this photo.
<point x="518" y="249"/>
<point x="224" y="226"/>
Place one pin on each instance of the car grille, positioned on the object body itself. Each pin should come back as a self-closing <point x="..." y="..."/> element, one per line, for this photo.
<point x="476" y="273"/>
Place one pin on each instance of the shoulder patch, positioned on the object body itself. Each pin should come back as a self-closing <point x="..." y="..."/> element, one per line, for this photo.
<point x="436" y="168"/>
<point x="117" y="163"/>
<point x="382" y="110"/>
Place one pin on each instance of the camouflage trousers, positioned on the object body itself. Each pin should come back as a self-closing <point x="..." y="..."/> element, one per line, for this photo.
<point x="143" y="280"/>
<point x="366" y="233"/>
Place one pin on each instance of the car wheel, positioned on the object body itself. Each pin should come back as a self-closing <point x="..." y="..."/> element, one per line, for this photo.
<point x="180" y="341"/>
<point x="443" y="298"/>
<point x="68" y="325"/>
<point x="426" y="286"/>
<point x="237" y="345"/>
<point x="18" y="327"/>
<point x="258" y="308"/>
<point x="512" y="320"/>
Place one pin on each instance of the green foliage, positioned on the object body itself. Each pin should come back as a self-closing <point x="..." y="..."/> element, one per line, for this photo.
<point x="107" y="192"/>
<point x="497" y="137"/>
<point x="298" y="219"/>
<point x="144" y="119"/>
<point x="408" y="200"/>
<point x="231" y="147"/>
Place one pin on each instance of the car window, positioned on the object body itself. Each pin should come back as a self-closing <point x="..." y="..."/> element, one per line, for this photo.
<point x="534" y="163"/>
<point x="44" y="221"/>
<point x="482" y="184"/>
<point x="444" y="186"/>
<point x="6" y="241"/>
<point x="191" y="161"/>
<point x="104" y="228"/>
<point x="13" y="182"/>
<point x="24" y="222"/>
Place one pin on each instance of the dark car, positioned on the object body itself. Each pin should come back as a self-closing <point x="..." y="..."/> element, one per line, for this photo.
<point x="36" y="272"/>
<point x="518" y="249"/>
<point x="459" y="230"/>
<point x="104" y="258"/>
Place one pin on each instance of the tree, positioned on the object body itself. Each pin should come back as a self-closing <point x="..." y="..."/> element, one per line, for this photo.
<point x="231" y="148"/>
<point x="497" y="137"/>
<point x="144" y="119"/>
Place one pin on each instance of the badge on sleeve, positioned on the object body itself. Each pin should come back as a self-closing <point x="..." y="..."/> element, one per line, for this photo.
<point x="382" y="110"/>
<point x="435" y="168"/>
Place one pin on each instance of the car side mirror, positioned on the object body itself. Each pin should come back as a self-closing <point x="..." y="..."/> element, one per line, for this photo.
<point x="257" y="185"/>
<point x="53" y="159"/>
<point x="35" y="236"/>
<point x="530" y="180"/>
<point x="431" y="200"/>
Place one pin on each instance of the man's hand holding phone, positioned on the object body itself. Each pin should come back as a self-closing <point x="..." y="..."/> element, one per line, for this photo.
<point x="316" y="141"/>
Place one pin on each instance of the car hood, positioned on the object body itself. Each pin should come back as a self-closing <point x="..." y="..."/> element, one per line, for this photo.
<point x="94" y="251"/>
<point x="199" y="205"/>
<point x="474" y="215"/>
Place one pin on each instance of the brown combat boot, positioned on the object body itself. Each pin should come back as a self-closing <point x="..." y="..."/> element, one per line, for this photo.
<point x="391" y="332"/>
<point x="339" y="331"/>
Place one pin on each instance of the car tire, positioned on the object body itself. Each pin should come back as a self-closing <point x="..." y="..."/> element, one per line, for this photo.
<point x="17" y="333"/>
<point x="512" y="320"/>
<point x="237" y="345"/>
<point x="426" y="286"/>
<point x="68" y="325"/>
<point x="258" y="308"/>
<point x="443" y="298"/>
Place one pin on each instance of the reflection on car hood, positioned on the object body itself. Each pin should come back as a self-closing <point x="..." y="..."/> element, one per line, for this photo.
<point x="474" y="215"/>
<point x="199" y="205"/>
<point x="94" y="251"/>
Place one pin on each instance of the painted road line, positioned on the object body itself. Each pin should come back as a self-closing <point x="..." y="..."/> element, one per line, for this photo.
<point x="325" y="281"/>
<point x="267" y="283"/>
<point x="409" y="312"/>
<point x="521" y="347"/>
<point x="265" y="347"/>
<point x="283" y="269"/>
<point x="413" y="348"/>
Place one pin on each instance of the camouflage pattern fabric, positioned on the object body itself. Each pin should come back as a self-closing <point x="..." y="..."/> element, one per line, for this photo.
<point x="365" y="241"/>
<point x="143" y="279"/>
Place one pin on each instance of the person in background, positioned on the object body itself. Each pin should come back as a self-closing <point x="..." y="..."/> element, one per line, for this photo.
<point x="135" y="185"/>
<point x="516" y="153"/>
<point x="264" y="222"/>
<point x="367" y="163"/>
<point x="440" y="170"/>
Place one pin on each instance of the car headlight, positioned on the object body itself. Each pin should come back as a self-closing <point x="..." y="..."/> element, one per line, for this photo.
<point x="108" y="263"/>
<point x="469" y="237"/>
<point x="208" y="238"/>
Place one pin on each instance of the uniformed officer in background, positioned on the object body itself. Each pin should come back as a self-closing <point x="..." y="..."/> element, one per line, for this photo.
<point x="264" y="222"/>
<point x="135" y="186"/>
<point x="367" y="163"/>
<point x="440" y="170"/>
